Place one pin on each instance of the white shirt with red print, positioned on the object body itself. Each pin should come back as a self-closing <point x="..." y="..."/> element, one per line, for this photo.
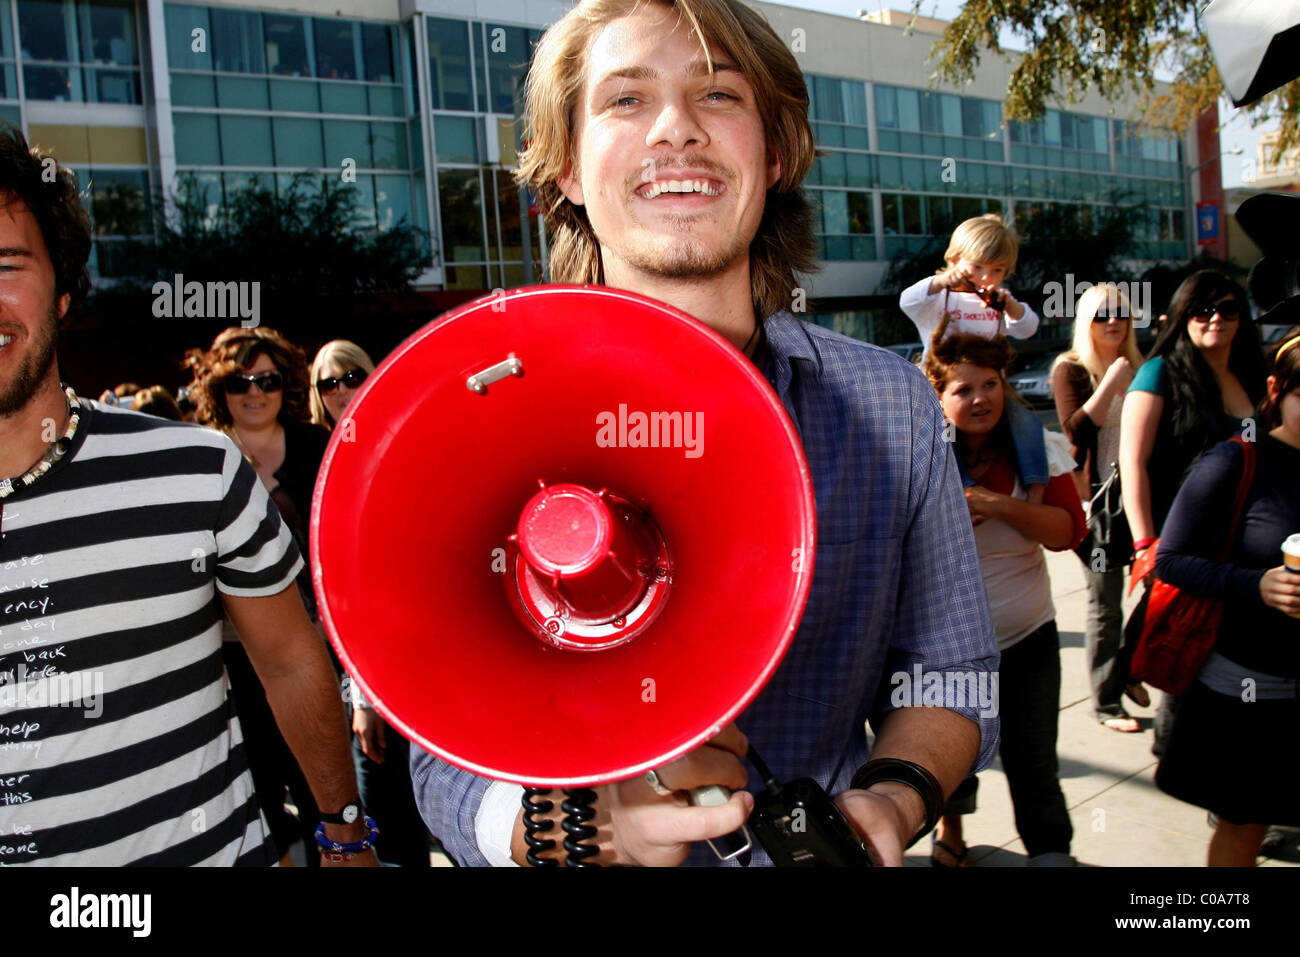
<point x="969" y="314"/>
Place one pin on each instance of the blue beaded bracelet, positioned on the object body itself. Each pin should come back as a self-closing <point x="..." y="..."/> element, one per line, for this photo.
<point x="355" y="847"/>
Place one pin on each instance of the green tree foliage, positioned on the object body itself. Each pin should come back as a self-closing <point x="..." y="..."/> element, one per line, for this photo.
<point x="1115" y="47"/>
<point x="303" y="243"/>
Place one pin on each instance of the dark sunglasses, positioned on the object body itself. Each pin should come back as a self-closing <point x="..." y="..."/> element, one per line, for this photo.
<point x="352" y="378"/>
<point x="1107" y="317"/>
<point x="239" y="384"/>
<point x="1229" y="311"/>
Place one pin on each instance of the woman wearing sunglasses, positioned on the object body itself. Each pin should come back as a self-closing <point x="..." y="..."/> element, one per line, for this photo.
<point x="1089" y="383"/>
<point x="380" y="753"/>
<point x="336" y="374"/>
<point x="252" y="384"/>
<point x="1200" y="384"/>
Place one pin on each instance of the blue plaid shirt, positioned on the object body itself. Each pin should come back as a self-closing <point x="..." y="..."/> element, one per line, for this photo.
<point x="896" y="582"/>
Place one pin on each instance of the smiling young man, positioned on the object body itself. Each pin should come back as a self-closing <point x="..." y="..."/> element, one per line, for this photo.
<point x="671" y="167"/>
<point x="122" y="536"/>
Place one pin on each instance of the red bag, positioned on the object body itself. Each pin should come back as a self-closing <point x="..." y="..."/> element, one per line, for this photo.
<point x="1180" y="629"/>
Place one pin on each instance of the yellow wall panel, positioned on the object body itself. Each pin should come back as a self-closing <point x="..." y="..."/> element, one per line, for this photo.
<point x="118" y="144"/>
<point x="68" y="144"/>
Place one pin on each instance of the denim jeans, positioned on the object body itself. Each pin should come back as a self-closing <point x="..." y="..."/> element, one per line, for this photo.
<point x="1030" y="693"/>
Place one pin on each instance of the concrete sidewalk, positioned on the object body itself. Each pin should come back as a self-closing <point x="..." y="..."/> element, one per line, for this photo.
<point x="1120" y="817"/>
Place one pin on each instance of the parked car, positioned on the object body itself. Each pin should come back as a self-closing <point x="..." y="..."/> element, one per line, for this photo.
<point x="1034" y="381"/>
<point x="911" y="351"/>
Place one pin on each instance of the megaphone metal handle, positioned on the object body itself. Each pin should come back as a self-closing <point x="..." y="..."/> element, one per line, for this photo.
<point x="729" y="846"/>
<point x="479" y="381"/>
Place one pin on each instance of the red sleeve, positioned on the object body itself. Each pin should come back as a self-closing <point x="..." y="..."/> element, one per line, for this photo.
<point x="1061" y="492"/>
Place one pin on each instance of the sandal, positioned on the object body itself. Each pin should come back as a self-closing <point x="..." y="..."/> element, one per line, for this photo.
<point x="953" y="859"/>
<point x="1137" y="693"/>
<point x="1123" y="723"/>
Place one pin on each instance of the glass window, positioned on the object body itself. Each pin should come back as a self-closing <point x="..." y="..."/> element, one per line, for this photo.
<point x="286" y="45"/>
<point x="119" y="202"/>
<point x="386" y="100"/>
<point x="246" y="141"/>
<point x="859" y="213"/>
<point x="201" y="190"/>
<point x="107" y="32"/>
<point x="456" y="139"/>
<point x="190" y="89"/>
<point x="914" y="174"/>
<point x="365" y="216"/>
<point x="909" y="110"/>
<point x="113" y="86"/>
<point x="347" y="139"/>
<point x="182" y="21"/>
<point x="950" y="114"/>
<point x="462" y="223"/>
<point x="886" y="107"/>
<point x="45" y="32"/>
<point x="859" y="170"/>
<point x="832" y="169"/>
<point x="377" y="42"/>
<point x="6" y="41"/>
<point x="388" y="143"/>
<point x="449" y="68"/>
<point x="1052" y="128"/>
<point x="393" y="200"/>
<point x="509" y="50"/>
<point x="834" y="212"/>
<point x="912" y="215"/>
<point x="236" y="41"/>
<point x="297" y="142"/>
<point x="343" y="98"/>
<point x="295" y="96"/>
<point x="58" y="83"/>
<point x="336" y="51"/>
<point x="891" y="211"/>
<point x="241" y="93"/>
<point x="891" y="171"/>
<point x="197" y="143"/>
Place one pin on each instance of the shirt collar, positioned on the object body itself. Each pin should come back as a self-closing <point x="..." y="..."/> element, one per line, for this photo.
<point x="788" y="341"/>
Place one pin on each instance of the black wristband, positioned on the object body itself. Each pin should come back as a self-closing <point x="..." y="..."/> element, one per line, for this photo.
<point x="914" y="776"/>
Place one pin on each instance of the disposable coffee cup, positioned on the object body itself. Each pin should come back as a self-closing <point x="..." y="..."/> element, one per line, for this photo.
<point x="1291" y="553"/>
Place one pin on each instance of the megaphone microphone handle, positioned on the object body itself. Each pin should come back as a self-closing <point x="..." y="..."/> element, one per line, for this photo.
<point x="735" y="845"/>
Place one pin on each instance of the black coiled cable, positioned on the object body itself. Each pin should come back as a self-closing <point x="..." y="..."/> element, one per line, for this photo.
<point x="535" y="802"/>
<point x="578" y="809"/>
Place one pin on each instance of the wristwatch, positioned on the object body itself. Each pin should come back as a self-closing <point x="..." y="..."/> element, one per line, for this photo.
<point x="350" y="814"/>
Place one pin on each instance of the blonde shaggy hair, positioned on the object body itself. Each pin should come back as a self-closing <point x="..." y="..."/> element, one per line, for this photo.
<point x="985" y="239"/>
<point x="340" y="353"/>
<point x="784" y="243"/>
<point x="1083" y="351"/>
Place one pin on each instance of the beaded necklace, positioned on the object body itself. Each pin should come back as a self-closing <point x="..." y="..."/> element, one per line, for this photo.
<point x="56" y="450"/>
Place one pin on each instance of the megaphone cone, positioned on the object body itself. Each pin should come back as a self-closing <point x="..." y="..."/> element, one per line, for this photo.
<point x="563" y="535"/>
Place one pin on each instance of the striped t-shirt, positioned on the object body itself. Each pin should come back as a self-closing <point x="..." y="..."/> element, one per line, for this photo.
<point x="118" y="741"/>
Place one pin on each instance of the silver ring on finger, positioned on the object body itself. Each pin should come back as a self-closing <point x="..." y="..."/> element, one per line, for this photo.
<point x="656" y="783"/>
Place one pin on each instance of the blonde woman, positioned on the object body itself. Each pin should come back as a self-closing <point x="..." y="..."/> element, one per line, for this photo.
<point x="380" y="754"/>
<point x="1089" y="382"/>
<point x="336" y="374"/>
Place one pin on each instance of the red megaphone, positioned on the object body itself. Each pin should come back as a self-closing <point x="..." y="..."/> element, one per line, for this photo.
<point x="563" y="535"/>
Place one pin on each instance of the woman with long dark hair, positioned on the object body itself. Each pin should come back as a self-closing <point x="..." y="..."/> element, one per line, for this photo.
<point x="1223" y="749"/>
<point x="1199" y="386"/>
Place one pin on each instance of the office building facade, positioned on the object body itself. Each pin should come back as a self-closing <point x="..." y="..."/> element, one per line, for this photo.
<point x="414" y="104"/>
